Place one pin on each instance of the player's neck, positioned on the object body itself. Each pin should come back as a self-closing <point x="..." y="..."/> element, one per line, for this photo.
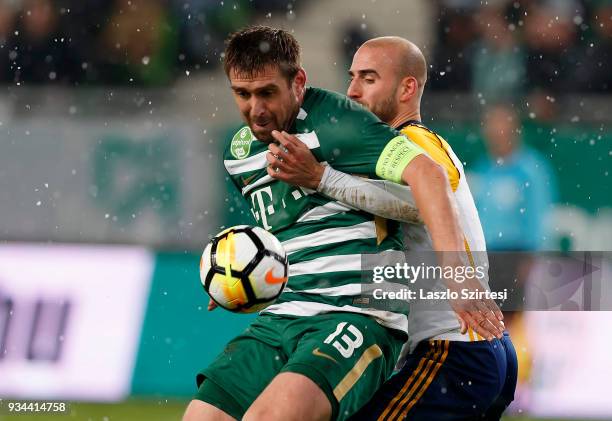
<point x="404" y="116"/>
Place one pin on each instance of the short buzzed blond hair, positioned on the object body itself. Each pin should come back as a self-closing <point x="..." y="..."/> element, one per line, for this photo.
<point x="411" y="61"/>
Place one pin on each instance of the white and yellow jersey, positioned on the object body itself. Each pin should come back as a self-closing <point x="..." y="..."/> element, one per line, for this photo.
<point x="443" y="324"/>
<point x="394" y="201"/>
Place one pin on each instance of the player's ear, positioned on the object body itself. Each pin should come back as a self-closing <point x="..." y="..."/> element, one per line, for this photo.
<point x="299" y="83"/>
<point x="409" y="87"/>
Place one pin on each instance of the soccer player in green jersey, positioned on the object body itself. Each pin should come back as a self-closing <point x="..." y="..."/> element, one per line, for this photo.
<point x="318" y="352"/>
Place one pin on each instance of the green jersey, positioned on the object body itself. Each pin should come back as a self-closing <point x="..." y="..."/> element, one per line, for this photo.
<point x="325" y="239"/>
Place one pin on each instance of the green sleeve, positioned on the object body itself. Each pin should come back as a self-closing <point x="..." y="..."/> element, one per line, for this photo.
<point x="355" y="141"/>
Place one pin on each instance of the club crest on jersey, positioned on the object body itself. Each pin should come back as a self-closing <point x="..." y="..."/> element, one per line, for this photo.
<point x="241" y="143"/>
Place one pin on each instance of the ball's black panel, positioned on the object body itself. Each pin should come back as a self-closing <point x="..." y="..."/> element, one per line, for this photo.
<point x="248" y="289"/>
<point x="208" y="279"/>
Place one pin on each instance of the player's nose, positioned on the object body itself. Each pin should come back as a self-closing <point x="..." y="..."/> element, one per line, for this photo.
<point x="258" y="108"/>
<point x="353" y="90"/>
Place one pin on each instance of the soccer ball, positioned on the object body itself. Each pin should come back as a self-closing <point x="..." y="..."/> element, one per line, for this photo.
<point x="244" y="269"/>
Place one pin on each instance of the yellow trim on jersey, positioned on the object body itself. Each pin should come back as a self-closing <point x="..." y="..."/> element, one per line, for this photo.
<point x="469" y="251"/>
<point x="382" y="230"/>
<point x="352" y="376"/>
<point x="437" y="149"/>
<point x="471" y="333"/>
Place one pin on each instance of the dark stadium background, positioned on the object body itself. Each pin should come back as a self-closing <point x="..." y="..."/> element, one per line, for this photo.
<point x="113" y="115"/>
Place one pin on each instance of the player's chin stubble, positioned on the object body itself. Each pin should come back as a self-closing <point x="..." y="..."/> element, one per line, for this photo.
<point x="263" y="135"/>
<point x="385" y="110"/>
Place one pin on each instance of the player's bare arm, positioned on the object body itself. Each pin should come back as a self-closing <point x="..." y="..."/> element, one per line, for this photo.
<point x="434" y="199"/>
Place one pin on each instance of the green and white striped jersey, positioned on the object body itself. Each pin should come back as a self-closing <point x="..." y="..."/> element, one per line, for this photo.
<point x="325" y="239"/>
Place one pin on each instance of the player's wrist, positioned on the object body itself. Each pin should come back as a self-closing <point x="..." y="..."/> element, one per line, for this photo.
<point x="321" y="176"/>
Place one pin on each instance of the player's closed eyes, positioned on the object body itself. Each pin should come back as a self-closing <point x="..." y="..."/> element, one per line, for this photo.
<point x="369" y="81"/>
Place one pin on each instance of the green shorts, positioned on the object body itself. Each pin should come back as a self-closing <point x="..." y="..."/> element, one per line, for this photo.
<point x="347" y="355"/>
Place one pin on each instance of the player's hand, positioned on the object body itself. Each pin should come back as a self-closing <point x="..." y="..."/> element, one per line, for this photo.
<point x="482" y="314"/>
<point x="292" y="162"/>
<point x="463" y="327"/>
<point x="212" y="305"/>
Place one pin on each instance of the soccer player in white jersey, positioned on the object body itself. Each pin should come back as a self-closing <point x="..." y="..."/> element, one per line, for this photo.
<point x="451" y="373"/>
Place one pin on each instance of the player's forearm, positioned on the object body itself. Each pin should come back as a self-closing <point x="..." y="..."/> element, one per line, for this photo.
<point x="436" y="203"/>
<point x="369" y="196"/>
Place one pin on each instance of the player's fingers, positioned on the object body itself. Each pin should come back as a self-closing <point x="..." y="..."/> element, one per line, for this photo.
<point x="473" y="324"/>
<point x="284" y="139"/>
<point x="481" y="325"/>
<point x="495" y="321"/>
<point x="275" y="161"/>
<point x="273" y="148"/>
<point x="278" y="152"/>
<point x="276" y="171"/>
<point x="499" y="315"/>
<point x="462" y="324"/>
<point x="486" y="328"/>
<point x="278" y="136"/>
<point x="496" y="310"/>
<point x="290" y="141"/>
<point x="490" y="331"/>
<point x="271" y="158"/>
<point x="493" y="307"/>
<point x="272" y="173"/>
<point x="485" y="310"/>
<point x="293" y="144"/>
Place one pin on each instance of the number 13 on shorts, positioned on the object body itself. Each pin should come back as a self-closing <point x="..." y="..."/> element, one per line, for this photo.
<point x="348" y="355"/>
<point x="358" y="351"/>
<point x="348" y="342"/>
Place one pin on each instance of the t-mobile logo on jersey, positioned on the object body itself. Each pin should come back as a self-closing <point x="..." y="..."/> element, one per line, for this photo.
<point x="257" y="198"/>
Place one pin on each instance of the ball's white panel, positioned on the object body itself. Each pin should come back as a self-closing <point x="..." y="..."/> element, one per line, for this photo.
<point x="268" y="278"/>
<point x="244" y="251"/>
<point x="205" y="263"/>
<point x="270" y="241"/>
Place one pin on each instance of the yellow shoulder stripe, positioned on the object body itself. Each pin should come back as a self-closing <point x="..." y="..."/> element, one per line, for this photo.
<point x="437" y="149"/>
